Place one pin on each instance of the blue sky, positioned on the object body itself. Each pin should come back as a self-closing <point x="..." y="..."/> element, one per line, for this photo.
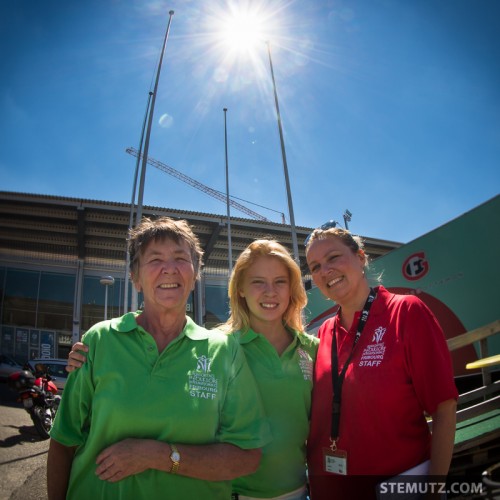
<point x="390" y="108"/>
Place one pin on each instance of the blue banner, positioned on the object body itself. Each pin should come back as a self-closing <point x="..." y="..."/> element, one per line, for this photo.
<point x="47" y="344"/>
<point x="34" y="344"/>
<point x="22" y="343"/>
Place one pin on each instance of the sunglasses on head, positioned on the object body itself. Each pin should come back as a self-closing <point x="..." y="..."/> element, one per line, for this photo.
<point x="327" y="225"/>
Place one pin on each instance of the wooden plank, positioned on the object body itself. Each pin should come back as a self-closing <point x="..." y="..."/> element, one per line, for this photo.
<point x="484" y="362"/>
<point x="474" y="335"/>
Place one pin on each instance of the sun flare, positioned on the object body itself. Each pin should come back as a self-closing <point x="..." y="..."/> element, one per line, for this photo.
<point x="242" y="31"/>
<point x="243" y="27"/>
<point x="236" y="39"/>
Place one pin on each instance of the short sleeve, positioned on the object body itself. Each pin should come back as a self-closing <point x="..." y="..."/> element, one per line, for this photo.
<point x="243" y="421"/>
<point x="427" y="356"/>
<point x="71" y="425"/>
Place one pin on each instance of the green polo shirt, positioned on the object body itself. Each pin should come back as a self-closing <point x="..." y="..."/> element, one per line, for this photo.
<point x="199" y="390"/>
<point x="285" y="384"/>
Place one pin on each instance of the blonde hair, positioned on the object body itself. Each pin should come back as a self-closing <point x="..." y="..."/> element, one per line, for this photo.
<point x="239" y="318"/>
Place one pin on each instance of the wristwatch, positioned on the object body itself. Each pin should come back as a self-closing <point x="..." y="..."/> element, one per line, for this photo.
<point x="175" y="457"/>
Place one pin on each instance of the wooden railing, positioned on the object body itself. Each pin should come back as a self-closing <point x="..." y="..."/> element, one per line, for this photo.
<point x="479" y="334"/>
<point x="487" y="397"/>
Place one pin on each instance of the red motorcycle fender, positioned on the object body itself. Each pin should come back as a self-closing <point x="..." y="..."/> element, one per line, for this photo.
<point x="52" y="387"/>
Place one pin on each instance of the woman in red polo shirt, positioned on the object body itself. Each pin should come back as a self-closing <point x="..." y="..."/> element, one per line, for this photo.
<point x="382" y="365"/>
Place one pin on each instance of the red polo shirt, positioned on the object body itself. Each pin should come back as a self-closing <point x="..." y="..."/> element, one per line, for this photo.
<point x="400" y="369"/>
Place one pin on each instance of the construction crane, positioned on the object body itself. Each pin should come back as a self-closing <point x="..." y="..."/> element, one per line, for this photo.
<point x="198" y="185"/>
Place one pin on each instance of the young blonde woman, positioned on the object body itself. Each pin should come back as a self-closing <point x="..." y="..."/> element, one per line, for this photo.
<point x="266" y="300"/>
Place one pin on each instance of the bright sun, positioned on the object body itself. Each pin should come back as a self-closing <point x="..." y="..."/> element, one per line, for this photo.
<point x="234" y="34"/>
<point x="244" y="26"/>
<point x="242" y="31"/>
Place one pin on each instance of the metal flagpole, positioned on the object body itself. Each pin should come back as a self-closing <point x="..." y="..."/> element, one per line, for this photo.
<point x="150" y="122"/>
<point x="131" y="218"/>
<point x="229" y="243"/>
<point x="285" y="167"/>
<point x="146" y="142"/>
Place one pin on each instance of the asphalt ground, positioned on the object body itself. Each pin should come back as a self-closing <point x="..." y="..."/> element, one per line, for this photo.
<point x="23" y="453"/>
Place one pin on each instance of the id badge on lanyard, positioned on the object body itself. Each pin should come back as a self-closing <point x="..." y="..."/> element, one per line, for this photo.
<point x="335" y="462"/>
<point x="334" y="459"/>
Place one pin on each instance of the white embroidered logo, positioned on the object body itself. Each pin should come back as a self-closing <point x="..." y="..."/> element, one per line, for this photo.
<point x="202" y="383"/>
<point x="373" y="354"/>
<point x="378" y="334"/>
<point x="204" y="364"/>
<point x="305" y="363"/>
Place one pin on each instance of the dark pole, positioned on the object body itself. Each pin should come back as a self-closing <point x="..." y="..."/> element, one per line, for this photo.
<point x="347" y="218"/>
<point x="229" y="243"/>
<point x="285" y="167"/>
<point x="150" y="121"/>
<point x="132" y="210"/>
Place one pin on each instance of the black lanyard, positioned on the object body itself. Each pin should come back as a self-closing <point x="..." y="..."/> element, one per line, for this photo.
<point x="338" y="380"/>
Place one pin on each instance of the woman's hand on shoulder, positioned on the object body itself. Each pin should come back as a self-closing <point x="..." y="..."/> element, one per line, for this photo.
<point x="76" y="357"/>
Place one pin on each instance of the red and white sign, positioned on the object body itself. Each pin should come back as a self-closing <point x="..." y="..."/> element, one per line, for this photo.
<point x="415" y="266"/>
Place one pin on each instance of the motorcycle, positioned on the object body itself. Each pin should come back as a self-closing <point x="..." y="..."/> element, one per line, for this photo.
<point x="39" y="397"/>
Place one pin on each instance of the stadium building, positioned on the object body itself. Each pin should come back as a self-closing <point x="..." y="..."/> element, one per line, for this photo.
<point x="63" y="262"/>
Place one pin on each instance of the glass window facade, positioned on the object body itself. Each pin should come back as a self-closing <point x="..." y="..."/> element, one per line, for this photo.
<point x="37" y="299"/>
<point x="216" y="304"/>
<point x="93" y="299"/>
<point x="55" y="301"/>
<point x="36" y="309"/>
<point x="20" y="297"/>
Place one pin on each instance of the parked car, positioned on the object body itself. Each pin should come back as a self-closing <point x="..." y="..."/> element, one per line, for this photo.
<point x="56" y="369"/>
<point x="7" y="366"/>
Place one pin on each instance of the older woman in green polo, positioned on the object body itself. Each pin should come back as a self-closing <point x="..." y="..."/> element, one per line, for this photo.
<point x="163" y="407"/>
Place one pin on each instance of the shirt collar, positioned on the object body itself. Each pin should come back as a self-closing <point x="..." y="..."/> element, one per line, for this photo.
<point x="380" y="304"/>
<point x="378" y="307"/>
<point x="128" y="323"/>
<point x="249" y="335"/>
<point x="125" y="323"/>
